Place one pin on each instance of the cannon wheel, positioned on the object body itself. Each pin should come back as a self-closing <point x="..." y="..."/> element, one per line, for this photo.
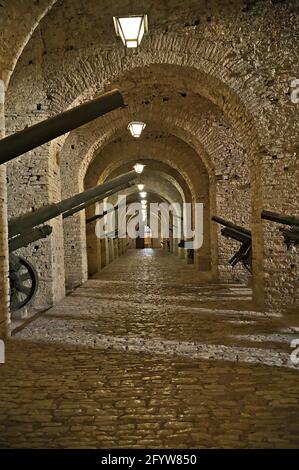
<point x="23" y="282"/>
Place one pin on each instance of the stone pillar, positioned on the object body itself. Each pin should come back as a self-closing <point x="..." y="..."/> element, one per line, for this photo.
<point x="280" y="265"/>
<point x="93" y="249"/>
<point x="111" y="249"/>
<point x="115" y="248"/>
<point x="175" y="246"/>
<point x="34" y="182"/>
<point x="165" y="248"/>
<point x="171" y="243"/>
<point x="4" y="284"/>
<point x="75" y="248"/>
<point x="104" y="252"/>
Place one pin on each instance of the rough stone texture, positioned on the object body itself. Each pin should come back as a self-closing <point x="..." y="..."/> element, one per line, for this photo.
<point x="153" y="351"/>
<point x="33" y="182"/>
<point x="144" y="355"/>
<point x="4" y="307"/>
<point x="223" y="58"/>
<point x="17" y="22"/>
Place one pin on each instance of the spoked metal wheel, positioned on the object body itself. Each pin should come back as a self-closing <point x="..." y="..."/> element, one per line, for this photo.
<point x="23" y="282"/>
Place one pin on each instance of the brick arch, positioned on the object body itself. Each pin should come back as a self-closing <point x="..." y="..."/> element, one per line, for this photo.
<point x="117" y="153"/>
<point x="92" y="138"/>
<point x="213" y="72"/>
<point x="161" y="186"/>
<point x="22" y="17"/>
<point x="193" y="168"/>
<point x="114" y="124"/>
<point x="205" y="85"/>
<point x="153" y="167"/>
<point x="158" y="186"/>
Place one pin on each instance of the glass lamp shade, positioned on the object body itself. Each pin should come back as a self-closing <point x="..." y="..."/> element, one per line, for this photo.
<point x="138" y="168"/>
<point x="131" y="29"/>
<point x="136" y="128"/>
<point x="140" y="187"/>
<point x="142" y="194"/>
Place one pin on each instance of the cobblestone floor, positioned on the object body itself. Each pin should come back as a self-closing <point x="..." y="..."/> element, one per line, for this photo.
<point x="145" y="356"/>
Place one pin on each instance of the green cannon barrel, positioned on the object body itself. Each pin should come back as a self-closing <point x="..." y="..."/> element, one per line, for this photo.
<point x="280" y="219"/>
<point x="26" y="222"/>
<point x="94" y="200"/>
<point x="100" y="216"/>
<point x="31" y="137"/>
<point x="20" y="241"/>
<point x="226" y="223"/>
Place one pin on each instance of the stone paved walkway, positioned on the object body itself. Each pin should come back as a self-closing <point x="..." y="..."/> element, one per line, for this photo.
<point x="145" y="356"/>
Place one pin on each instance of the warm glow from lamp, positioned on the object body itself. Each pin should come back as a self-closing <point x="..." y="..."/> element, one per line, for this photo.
<point x="131" y="29"/>
<point x="142" y="194"/>
<point x="143" y="202"/>
<point x="138" y="168"/>
<point x="136" y="128"/>
<point x="140" y="187"/>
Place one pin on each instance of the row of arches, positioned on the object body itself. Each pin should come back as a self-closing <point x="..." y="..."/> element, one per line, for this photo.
<point x="215" y="119"/>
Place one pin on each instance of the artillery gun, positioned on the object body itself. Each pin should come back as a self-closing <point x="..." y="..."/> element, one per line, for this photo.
<point x="242" y="235"/>
<point x="25" y="229"/>
<point x="22" y="231"/>
<point x="45" y="131"/>
<point x="291" y="236"/>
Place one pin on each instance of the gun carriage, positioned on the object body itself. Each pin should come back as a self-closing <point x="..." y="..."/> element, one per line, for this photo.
<point x="239" y="234"/>
<point x="291" y="236"/>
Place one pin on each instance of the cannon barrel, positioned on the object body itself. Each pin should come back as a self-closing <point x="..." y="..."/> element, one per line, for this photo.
<point x="236" y="235"/>
<point x="99" y="216"/>
<point x="26" y="222"/>
<point x="280" y="219"/>
<point x="38" y="134"/>
<point x="20" y="241"/>
<point x="226" y="223"/>
<point x="88" y="203"/>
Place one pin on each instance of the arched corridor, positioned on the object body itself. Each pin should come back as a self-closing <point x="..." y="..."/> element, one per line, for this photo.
<point x="149" y="223"/>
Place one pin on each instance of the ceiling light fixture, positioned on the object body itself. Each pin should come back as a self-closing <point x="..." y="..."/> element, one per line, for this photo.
<point x="140" y="187"/>
<point x="136" y="128"/>
<point x="131" y="29"/>
<point x="138" y="167"/>
<point x="143" y="194"/>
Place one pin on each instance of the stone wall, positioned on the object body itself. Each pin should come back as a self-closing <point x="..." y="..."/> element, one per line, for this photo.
<point x="211" y="76"/>
<point x="4" y="288"/>
<point x="34" y="181"/>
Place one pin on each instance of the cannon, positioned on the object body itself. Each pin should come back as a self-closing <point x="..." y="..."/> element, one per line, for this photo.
<point x="242" y="235"/>
<point x="25" y="229"/>
<point x="291" y="236"/>
<point x="45" y="131"/>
